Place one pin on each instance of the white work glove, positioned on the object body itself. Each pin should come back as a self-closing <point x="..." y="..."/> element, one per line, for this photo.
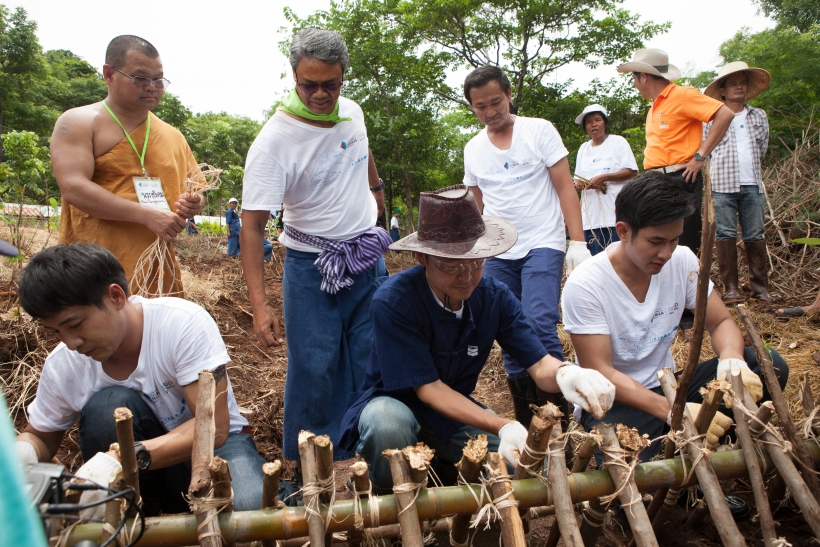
<point x="513" y="439"/>
<point x="717" y="429"/>
<point x="586" y="388"/>
<point x="577" y="252"/>
<point x="751" y="380"/>
<point x="26" y="452"/>
<point x="101" y="469"/>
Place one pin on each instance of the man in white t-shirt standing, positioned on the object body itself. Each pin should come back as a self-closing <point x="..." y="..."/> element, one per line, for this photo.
<point x="622" y="310"/>
<point x="143" y="354"/>
<point x="606" y="162"/>
<point x="517" y="169"/>
<point x="737" y="183"/>
<point x="313" y="158"/>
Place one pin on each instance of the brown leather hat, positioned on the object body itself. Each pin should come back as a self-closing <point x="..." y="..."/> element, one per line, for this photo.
<point x="451" y="226"/>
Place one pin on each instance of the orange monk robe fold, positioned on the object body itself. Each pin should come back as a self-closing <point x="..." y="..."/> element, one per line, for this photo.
<point x="168" y="157"/>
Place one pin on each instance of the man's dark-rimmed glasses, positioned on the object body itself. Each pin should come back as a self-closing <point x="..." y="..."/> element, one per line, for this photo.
<point x="141" y="81"/>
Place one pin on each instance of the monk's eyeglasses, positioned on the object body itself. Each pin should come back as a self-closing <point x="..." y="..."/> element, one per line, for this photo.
<point x="456" y="269"/>
<point x="143" y="82"/>
<point x="310" y="89"/>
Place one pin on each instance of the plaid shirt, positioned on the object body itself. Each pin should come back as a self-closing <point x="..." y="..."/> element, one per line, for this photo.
<point x="723" y="161"/>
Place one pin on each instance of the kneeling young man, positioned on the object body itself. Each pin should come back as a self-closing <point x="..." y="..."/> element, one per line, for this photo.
<point x="622" y="308"/>
<point x="144" y="354"/>
<point x="433" y="329"/>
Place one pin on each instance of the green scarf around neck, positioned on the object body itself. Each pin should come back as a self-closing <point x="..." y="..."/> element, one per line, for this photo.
<point x="292" y="104"/>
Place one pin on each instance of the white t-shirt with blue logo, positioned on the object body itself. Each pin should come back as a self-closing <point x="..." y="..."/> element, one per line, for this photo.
<point x="516" y="183"/>
<point x="319" y="173"/>
<point x="179" y="340"/>
<point x="596" y="301"/>
<point x="612" y="155"/>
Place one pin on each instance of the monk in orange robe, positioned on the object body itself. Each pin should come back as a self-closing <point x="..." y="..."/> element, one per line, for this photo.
<point x="97" y="150"/>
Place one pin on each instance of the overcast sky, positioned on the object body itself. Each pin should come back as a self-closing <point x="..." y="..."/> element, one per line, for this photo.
<point x="223" y="55"/>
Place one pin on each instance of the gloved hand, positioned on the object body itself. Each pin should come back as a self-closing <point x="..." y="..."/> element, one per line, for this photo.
<point x="101" y="469"/>
<point x="717" y="429"/>
<point x="586" y="388"/>
<point x="751" y="380"/>
<point x="577" y="252"/>
<point x="26" y="452"/>
<point x="513" y="437"/>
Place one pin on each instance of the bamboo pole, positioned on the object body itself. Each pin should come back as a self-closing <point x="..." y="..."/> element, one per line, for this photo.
<point x="361" y="484"/>
<point x="780" y="404"/>
<point x="721" y="515"/>
<point x="290" y="522"/>
<point x="561" y="498"/>
<point x="664" y="501"/>
<point x="712" y="397"/>
<point x="806" y="396"/>
<point x="221" y="478"/>
<point x="418" y="462"/>
<point x="406" y="499"/>
<point x="324" y="473"/>
<point x="316" y="525"/>
<point x="512" y="529"/>
<point x="128" y="458"/>
<point x="469" y="469"/>
<point x="593" y="515"/>
<point x="271" y="472"/>
<point x="744" y="435"/>
<point x="762" y="417"/>
<point x="630" y="497"/>
<point x="201" y="454"/>
<point x="788" y="471"/>
<point x="113" y="510"/>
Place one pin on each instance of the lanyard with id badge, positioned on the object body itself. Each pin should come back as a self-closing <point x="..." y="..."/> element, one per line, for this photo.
<point x="149" y="189"/>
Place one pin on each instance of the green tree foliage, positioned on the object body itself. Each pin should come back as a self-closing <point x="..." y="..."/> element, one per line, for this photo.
<point x="791" y="58"/>
<point x="23" y="172"/>
<point x="801" y="14"/>
<point x="171" y="110"/>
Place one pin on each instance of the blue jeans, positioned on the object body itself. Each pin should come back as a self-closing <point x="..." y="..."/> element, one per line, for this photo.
<point x="267" y="249"/>
<point x="162" y="489"/>
<point x="599" y="239"/>
<point x="329" y="339"/>
<point x="233" y="245"/>
<point x="394" y="235"/>
<point x="388" y="423"/>
<point x="748" y="204"/>
<point x="535" y="280"/>
<point x="654" y="427"/>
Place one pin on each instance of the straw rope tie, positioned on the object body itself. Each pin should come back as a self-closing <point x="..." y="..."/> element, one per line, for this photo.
<point x="313" y="491"/>
<point x="208" y="503"/>
<point x="628" y="459"/>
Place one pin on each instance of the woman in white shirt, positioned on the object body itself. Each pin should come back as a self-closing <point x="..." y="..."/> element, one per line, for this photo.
<point x="606" y="162"/>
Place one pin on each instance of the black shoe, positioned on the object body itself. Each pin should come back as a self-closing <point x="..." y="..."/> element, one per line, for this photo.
<point x="293" y="497"/>
<point x="739" y="508"/>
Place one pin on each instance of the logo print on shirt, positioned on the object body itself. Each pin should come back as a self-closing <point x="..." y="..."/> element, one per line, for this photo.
<point x="472" y="351"/>
<point x="658" y="313"/>
<point x="506" y="166"/>
<point x="672" y="309"/>
<point x="343" y="146"/>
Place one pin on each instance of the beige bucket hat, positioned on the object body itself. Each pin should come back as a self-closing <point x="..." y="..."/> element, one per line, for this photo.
<point x="651" y="61"/>
<point x="758" y="80"/>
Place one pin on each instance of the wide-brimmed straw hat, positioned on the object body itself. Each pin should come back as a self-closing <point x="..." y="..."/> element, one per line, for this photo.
<point x="651" y="61"/>
<point x="589" y="110"/>
<point x="758" y="80"/>
<point x="451" y="226"/>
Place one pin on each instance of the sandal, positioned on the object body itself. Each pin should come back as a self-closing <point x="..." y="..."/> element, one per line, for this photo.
<point x="788" y="313"/>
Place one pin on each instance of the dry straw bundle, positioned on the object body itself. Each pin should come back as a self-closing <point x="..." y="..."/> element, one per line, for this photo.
<point x="156" y="270"/>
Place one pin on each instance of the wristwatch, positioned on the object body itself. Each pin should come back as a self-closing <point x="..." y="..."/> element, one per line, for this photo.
<point x="699" y="156"/>
<point x="143" y="457"/>
<point x="379" y="187"/>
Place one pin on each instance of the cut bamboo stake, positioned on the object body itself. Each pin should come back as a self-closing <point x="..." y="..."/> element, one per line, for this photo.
<point x="662" y="502"/>
<point x="405" y="492"/>
<point x="324" y="475"/>
<point x="180" y="530"/>
<point x="221" y="477"/>
<point x="780" y="404"/>
<point x="361" y="486"/>
<point x="512" y="528"/>
<point x="593" y="514"/>
<point x="781" y="460"/>
<point x="721" y="515"/>
<point x="806" y="395"/>
<point x="316" y="525"/>
<point x="418" y="462"/>
<point x="744" y="435"/>
<point x="271" y="472"/>
<point x="557" y="476"/>
<point x="113" y="510"/>
<point x="128" y="458"/>
<point x="469" y="469"/>
<point x="624" y="442"/>
<point x="762" y="417"/>
<point x="712" y="397"/>
<point x="201" y="455"/>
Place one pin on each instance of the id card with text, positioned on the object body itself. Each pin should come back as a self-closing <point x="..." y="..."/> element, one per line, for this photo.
<point x="149" y="192"/>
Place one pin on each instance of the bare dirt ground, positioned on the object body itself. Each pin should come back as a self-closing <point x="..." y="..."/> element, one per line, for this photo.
<point x="258" y="374"/>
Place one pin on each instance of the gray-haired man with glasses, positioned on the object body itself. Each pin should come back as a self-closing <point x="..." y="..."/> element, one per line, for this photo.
<point x="121" y="170"/>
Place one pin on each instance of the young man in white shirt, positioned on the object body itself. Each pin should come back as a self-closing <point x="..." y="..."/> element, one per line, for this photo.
<point x="623" y="306"/>
<point x="143" y="354"/>
<point x="517" y="169"/>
